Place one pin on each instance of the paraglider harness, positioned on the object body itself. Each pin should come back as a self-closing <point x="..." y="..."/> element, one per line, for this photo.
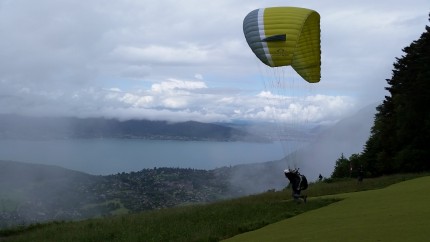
<point x="297" y="180"/>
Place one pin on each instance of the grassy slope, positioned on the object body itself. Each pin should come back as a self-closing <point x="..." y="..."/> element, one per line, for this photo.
<point x="190" y="223"/>
<point x="400" y="212"/>
<point x="225" y="219"/>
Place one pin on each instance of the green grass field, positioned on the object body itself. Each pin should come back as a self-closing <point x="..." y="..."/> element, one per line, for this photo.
<point x="337" y="211"/>
<point x="400" y="212"/>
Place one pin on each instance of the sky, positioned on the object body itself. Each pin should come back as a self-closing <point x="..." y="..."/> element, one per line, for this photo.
<point x="188" y="60"/>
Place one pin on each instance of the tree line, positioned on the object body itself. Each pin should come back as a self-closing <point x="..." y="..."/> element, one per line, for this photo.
<point x="399" y="140"/>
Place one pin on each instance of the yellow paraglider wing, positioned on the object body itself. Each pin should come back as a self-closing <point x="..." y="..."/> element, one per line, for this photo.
<point x="283" y="36"/>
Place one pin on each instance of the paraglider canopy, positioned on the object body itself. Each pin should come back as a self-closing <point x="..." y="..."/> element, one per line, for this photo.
<point x="283" y="36"/>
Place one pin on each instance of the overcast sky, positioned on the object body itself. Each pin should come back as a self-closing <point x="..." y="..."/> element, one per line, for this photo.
<point x="188" y="60"/>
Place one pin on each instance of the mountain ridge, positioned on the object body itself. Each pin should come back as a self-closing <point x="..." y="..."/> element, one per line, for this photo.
<point x="22" y="127"/>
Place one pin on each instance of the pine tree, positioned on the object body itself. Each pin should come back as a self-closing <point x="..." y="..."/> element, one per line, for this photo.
<point x="400" y="136"/>
<point x="342" y="168"/>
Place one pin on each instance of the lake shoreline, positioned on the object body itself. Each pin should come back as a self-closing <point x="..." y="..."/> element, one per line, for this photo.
<point x="111" y="156"/>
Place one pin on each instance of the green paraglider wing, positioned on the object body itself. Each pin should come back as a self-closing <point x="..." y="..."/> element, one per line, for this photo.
<point x="283" y="36"/>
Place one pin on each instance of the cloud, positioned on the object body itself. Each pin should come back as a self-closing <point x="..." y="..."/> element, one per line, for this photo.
<point x="183" y="100"/>
<point x="198" y="76"/>
<point x="183" y="60"/>
<point x="173" y="84"/>
<point x="161" y="55"/>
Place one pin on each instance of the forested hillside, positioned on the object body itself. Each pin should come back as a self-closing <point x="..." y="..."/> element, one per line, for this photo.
<point x="32" y="193"/>
<point x="399" y="140"/>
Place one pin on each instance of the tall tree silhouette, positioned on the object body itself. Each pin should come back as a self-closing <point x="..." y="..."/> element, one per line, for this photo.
<point x="400" y="136"/>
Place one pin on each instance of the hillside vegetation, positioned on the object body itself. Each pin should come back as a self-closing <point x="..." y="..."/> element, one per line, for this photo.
<point x="32" y="193"/>
<point x="399" y="139"/>
<point x="210" y="222"/>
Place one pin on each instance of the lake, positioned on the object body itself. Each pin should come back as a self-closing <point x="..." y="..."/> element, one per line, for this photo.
<point x="110" y="156"/>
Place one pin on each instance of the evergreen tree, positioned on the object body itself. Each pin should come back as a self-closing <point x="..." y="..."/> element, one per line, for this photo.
<point x="341" y="168"/>
<point x="400" y="137"/>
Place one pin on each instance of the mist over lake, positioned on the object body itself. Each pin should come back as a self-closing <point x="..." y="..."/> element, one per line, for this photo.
<point x="110" y="156"/>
